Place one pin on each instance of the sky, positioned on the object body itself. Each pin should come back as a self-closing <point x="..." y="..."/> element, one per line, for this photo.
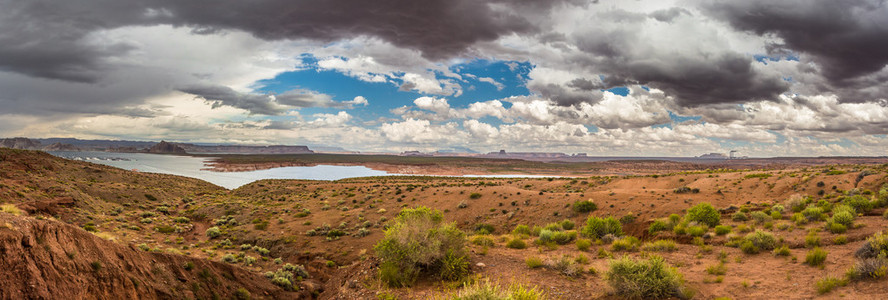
<point x="606" y="78"/>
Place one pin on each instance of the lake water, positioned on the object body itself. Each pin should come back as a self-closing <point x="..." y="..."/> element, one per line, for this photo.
<point x="192" y="167"/>
<point x="189" y="166"/>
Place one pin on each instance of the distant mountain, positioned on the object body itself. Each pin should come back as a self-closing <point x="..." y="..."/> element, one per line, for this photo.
<point x="20" y="143"/>
<point x="166" y="148"/>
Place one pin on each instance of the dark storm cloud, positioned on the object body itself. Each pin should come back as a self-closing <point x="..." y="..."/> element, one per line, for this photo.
<point x="223" y="95"/>
<point x="848" y="38"/>
<point x="50" y="39"/>
<point x="263" y="104"/>
<point x="625" y="58"/>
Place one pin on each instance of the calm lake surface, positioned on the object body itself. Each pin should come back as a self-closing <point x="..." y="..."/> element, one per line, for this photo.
<point x="189" y="166"/>
<point x="192" y="167"/>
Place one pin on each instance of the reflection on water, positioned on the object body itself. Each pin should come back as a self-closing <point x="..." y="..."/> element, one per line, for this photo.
<point x="192" y="167"/>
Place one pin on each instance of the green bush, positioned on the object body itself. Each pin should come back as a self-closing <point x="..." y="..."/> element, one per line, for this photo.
<point x="875" y="246"/>
<point x="816" y="257"/>
<point x="696" y="230"/>
<point x="567" y="224"/>
<point x="859" y="203"/>
<point x="629" y="243"/>
<point x="740" y="217"/>
<point x="659" y="225"/>
<point x="650" y="278"/>
<point x="760" y="217"/>
<point x="597" y="227"/>
<point x="760" y="240"/>
<point x="836" y="227"/>
<point x="213" y="232"/>
<point x="722" y="229"/>
<point x="584" y="206"/>
<point x="516" y="244"/>
<point x="418" y="240"/>
<point x="829" y="283"/>
<point x="483" y="241"/>
<point x="843" y="217"/>
<point x="704" y="213"/>
<point x="813" y="213"/>
<point x="660" y="246"/>
<point x="453" y="266"/>
<point x="484" y="228"/>
<point x="522" y="229"/>
<point x="533" y="262"/>
<point x="475" y="195"/>
<point x="583" y="244"/>
<point x="782" y="251"/>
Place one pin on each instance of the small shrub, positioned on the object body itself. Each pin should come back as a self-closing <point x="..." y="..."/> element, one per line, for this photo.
<point x="659" y="225"/>
<point x="598" y="227"/>
<point x="740" y="217"/>
<point x="565" y="265"/>
<point x="758" y="241"/>
<point x="625" y="244"/>
<point x="840" y="240"/>
<point x="704" y="213"/>
<point x="650" y="278"/>
<point x="696" y="230"/>
<point x="229" y="258"/>
<point x="483" y="241"/>
<point x="782" y="251"/>
<point x="843" y="217"/>
<point x="516" y="244"/>
<point x="484" y="228"/>
<point x="213" y="232"/>
<point x="859" y="203"/>
<point x="583" y="244"/>
<point x="584" y="206"/>
<point x="475" y="195"/>
<point x="829" y="283"/>
<point x="722" y="229"/>
<point x="660" y="246"/>
<point x="812" y="240"/>
<point x="760" y="217"/>
<point x="10" y="209"/>
<point x="836" y="227"/>
<point x="717" y="269"/>
<point x="816" y="257"/>
<point x="521" y="229"/>
<point x="567" y="224"/>
<point x="875" y="246"/>
<point x="813" y="213"/>
<point x="533" y="262"/>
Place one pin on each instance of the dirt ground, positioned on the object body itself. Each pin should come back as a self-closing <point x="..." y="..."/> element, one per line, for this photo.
<point x="288" y="218"/>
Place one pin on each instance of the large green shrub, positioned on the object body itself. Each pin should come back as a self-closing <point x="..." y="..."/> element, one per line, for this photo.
<point x="419" y="241"/>
<point x="859" y="203"/>
<point x="597" y="227"/>
<point x="704" y="213"/>
<point x="650" y="278"/>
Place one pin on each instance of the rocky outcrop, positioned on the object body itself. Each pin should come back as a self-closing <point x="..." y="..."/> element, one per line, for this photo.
<point x="44" y="259"/>
<point x="20" y="143"/>
<point x="166" y="148"/>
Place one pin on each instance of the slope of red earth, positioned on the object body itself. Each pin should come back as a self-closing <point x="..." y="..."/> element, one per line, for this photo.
<point x="45" y="259"/>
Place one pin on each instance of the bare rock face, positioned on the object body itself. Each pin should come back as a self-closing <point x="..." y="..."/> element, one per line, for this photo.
<point x="166" y="148"/>
<point x="20" y="143"/>
<point x="43" y="259"/>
